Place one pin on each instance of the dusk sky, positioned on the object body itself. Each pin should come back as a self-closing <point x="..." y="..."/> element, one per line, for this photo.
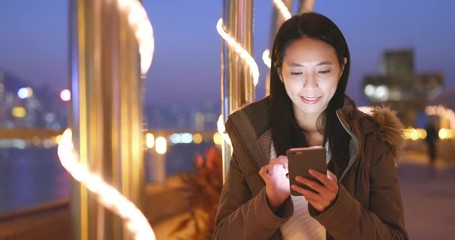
<point x="186" y="64"/>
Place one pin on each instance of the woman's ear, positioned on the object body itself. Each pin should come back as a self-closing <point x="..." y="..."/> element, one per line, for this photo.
<point x="345" y="60"/>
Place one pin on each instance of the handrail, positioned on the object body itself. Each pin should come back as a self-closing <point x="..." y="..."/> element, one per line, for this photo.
<point x="40" y="222"/>
<point x="24" y="133"/>
<point x="36" y="210"/>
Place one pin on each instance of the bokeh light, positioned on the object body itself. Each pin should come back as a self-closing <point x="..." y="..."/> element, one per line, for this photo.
<point x="65" y="95"/>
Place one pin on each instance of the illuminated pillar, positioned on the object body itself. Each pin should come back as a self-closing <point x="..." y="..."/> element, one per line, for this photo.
<point x="106" y="112"/>
<point x="277" y="20"/>
<point x="306" y="6"/>
<point x="237" y="88"/>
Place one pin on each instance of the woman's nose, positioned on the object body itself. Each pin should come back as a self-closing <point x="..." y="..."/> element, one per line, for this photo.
<point x="310" y="81"/>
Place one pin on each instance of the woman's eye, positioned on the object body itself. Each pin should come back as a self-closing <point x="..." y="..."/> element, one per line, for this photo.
<point x="324" y="71"/>
<point x="296" y="73"/>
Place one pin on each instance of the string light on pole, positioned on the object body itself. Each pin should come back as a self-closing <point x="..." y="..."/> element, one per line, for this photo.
<point x="140" y="23"/>
<point x="266" y="58"/>
<point x="247" y="58"/>
<point x="107" y="195"/>
<point x="244" y="54"/>
<point x="285" y="14"/>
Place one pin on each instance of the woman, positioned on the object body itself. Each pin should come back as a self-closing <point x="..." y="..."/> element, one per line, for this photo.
<point x="359" y="198"/>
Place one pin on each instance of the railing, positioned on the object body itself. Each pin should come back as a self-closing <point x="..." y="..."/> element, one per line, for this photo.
<point x="48" y="221"/>
<point x="52" y="220"/>
<point x="26" y="133"/>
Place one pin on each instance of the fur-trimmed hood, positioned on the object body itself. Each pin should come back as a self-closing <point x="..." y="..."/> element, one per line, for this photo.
<point x="389" y="129"/>
<point x="380" y="121"/>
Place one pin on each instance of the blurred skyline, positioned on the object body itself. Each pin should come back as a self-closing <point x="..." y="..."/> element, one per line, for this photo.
<point x="186" y="65"/>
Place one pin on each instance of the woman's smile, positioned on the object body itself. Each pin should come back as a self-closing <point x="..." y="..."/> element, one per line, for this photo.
<point x="310" y="100"/>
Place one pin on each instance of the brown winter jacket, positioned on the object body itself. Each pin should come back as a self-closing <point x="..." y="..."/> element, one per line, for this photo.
<point x="368" y="205"/>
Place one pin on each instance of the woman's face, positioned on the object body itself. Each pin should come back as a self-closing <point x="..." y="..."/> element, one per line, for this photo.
<point x="310" y="72"/>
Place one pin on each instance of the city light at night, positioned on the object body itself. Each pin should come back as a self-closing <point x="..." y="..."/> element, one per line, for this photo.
<point x="197" y="138"/>
<point x="18" y="112"/>
<point x="149" y="140"/>
<point x="444" y="113"/>
<point x="65" y="95"/>
<point x="445" y="133"/>
<point x="24" y="93"/>
<point x="161" y="145"/>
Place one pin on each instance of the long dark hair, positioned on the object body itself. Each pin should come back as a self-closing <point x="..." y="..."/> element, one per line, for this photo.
<point x="285" y="130"/>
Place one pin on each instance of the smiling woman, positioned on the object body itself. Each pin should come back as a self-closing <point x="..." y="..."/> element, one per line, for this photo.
<point x="182" y="89"/>
<point x="308" y="107"/>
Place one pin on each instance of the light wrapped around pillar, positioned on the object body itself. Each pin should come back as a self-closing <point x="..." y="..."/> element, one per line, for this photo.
<point x="111" y="47"/>
<point x="237" y="71"/>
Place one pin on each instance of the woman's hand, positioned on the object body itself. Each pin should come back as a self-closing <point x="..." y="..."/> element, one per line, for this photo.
<point x="276" y="181"/>
<point x="323" y="194"/>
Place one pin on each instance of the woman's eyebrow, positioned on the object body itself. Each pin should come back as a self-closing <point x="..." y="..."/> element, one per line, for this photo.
<point x="319" y="64"/>
<point x="325" y="63"/>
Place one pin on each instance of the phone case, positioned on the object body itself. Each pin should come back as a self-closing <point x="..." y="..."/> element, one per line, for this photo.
<point x="302" y="159"/>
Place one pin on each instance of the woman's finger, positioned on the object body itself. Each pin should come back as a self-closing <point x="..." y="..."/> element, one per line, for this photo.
<point x="332" y="176"/>
<point x="283" y="160"/>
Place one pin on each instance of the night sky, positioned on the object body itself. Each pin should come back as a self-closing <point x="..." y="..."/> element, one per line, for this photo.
<point x="186" y="64"/>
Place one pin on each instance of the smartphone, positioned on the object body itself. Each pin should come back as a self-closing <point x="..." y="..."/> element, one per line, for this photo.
<point x="302" y="159"/>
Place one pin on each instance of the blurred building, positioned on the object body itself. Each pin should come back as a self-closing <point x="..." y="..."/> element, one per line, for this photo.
<point x="178" y="117"/>
<point x="25" y="106"/>
<point x="399" y="86"/>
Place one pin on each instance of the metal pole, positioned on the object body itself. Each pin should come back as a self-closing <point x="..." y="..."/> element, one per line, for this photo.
<point x="277" y="20"/>
<point x="106" y="112"/>
<point x="237" y="88"/>
<point x="306" y="6"/>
